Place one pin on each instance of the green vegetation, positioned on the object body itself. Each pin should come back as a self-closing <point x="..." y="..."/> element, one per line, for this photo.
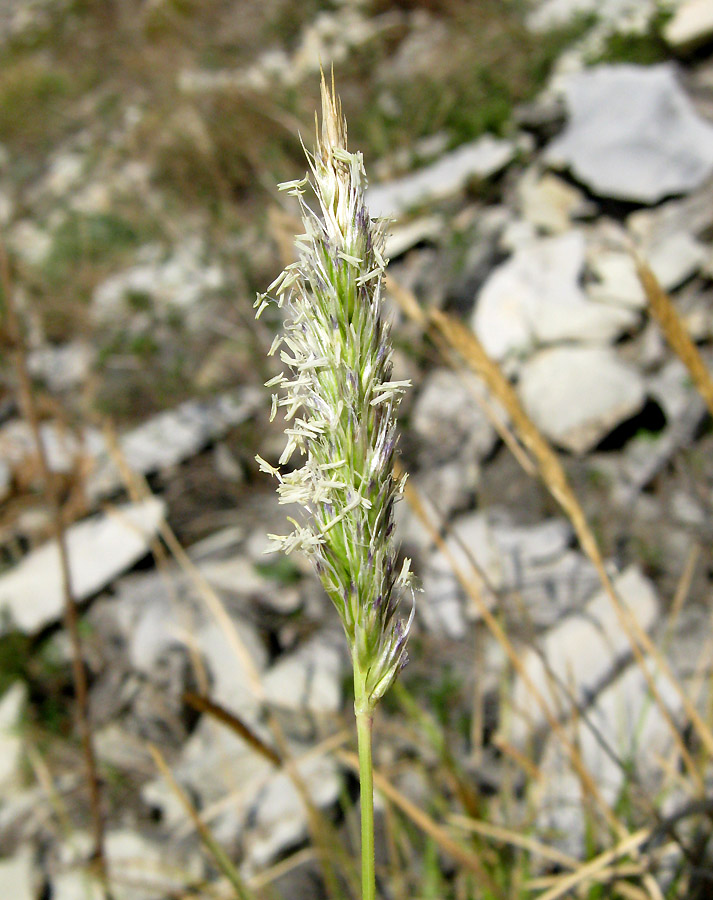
<point x="643" y="49"/>
<point x="34" y="99"/>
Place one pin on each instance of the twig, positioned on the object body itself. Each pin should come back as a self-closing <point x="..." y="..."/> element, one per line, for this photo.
<point x="29" y="410"/>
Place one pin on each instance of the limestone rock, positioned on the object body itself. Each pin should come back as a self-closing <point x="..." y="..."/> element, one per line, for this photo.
<point x="690" y="26"/>
<point x="480" y="159"/>
<point x="497" y="555"/>
<point x="623" y="731"/>
<point x="633" y="134"/>
<point x="100" y="548"/>
<point x="62" y="367"/>
<point x="620" y="14"/>
<point x="448" y="419"/>
<point x="172" y="436"/>
<point x="16" y="876"/>
<point x="12" y="704"/>
<point x="174" y="282"/>
<point x="548" y="202"/>
<point x="577" y="395"/>
<point x="535" y="298"/>
<point x="577" y="655"/>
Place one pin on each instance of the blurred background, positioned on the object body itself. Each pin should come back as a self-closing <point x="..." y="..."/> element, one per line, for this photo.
<point x="524" y="149"/>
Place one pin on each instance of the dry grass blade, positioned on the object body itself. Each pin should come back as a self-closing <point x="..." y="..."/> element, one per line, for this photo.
<point x="590" y="870"/>
<point x="675" y="332"/>
<point x="515" y="839"/>
<point x="515" y="658"/>
<point x="138" y="489"/>
<point x="221" y="858"/>
<point x="410" y="306"/>
<point x="205" y="705"/>
<point x="29" y="409"/>
<point x="552" y="473"/>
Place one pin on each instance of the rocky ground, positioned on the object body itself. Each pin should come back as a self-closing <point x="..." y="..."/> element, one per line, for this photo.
<point x="526" y="155"/>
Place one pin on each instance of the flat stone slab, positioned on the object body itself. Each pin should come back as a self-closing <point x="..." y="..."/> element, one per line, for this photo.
<point x="100" y="548"/>
<point x="172" y="436"/>
<point x="577" y="395"/>
<point x="633" y="134"/>
<point x="450" y="174"/>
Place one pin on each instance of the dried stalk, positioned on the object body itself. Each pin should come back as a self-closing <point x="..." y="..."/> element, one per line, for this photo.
<point x="29" y="410"/>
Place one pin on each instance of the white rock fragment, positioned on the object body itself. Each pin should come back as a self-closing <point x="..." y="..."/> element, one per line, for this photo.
<point x="633" y="134"/>
<point x="674" y="258"/>
<point x="616" y="279"/>
<point x="63" y="367"/>
<point x="76" y="885"/>
<point x="480" y="159"/>
<point x="62" y="447"/>
<point x="448" y="418"/>
<point x="491" y="552"/>
<point x="16" y="876"/>
<point x="279" y="819"/>
<point x="575" y="657"/>
<point x="236" y="575"/>
<point x="242" y="795"/>
<point x="139" y="870"/>
<point x="172" y="436"/>
<point x="100" y="548"/>
<point x="307" y="681"/>
<point x="473" y="552"/>
<point x="548" y="202"/>
<point x="65" y="172"/>
<point x="12" y="705"/>
<point x="179" y="280"/>
<point x="621" y="14"/>
<point x="577" y="395"/>
<point x="623" y="731"/>
<point x="690" y="25"/>
<point x="403" y="238"/>
<point x="536" y="298"/>
<point x="234" y="658"/>
<point x="30" y="243"/>
<point x="671" y="388"/>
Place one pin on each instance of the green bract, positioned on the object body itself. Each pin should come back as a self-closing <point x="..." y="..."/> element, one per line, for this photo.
<point x="340" y="403"/>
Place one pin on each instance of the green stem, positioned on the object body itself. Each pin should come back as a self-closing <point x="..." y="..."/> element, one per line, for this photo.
<point x="364" y="719"/>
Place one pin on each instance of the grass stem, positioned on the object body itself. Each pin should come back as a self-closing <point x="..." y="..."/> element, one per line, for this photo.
<point x="364" y="720"/>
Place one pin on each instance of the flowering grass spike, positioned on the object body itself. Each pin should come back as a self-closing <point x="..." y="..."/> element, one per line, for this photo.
<point x="340" y="404"/>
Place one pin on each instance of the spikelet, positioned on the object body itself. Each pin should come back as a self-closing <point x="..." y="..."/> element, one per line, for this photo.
<point x="339" y="403"/>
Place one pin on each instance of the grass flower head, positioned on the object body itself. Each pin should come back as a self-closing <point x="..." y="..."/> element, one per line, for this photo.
<point x="340" y="403"/>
